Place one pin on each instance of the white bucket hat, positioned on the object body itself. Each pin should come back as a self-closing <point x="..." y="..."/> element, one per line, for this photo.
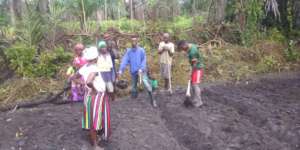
<point x="90" y="53"/>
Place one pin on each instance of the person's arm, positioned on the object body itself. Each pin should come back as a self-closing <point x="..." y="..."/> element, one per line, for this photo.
<point x="124" y="63"/>
<point x="116" y="53"/>
<point x="201" y="59"/>
<point x="144" y="61"/>
<point x="193" y="59"/>
<point x="75" y="76"/>
<point x="90" y="79"/>
<point x="171" y="50"/>
<point x="160" y="48"/>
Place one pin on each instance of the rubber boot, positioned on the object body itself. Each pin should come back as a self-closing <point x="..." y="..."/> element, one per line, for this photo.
<point x="134" y="95"/>
<point x="153" y="101"/>
<point x="197" y="100"/>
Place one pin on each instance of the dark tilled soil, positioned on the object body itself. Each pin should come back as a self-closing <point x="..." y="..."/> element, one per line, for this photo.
<point x="262" y="114"/>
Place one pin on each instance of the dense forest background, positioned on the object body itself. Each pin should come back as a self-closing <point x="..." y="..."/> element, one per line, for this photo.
<point x="238" y="38"/>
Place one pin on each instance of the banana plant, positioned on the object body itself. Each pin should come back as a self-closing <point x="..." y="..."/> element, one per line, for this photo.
<point x="272" y="6"/>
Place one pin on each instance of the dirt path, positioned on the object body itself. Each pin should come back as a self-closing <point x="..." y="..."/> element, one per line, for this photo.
<point x="262" y="114"/>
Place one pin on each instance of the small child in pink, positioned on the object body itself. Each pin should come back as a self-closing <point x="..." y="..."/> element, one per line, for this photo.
<point x="77" y="88"/>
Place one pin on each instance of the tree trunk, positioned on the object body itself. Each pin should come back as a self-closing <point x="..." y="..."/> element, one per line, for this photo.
<point x="217" y="11"/>
<point x="284" y="22"/>
<point x="105" y="10"/>
<point x="296" y="14"/>
<point x="131" y="9"/>
<point x="194" y="10"/>
<point x="139" y="13"/>
<point x="83" y="16"/>
<point x="43" y="6"/>
<point x="12" y="13"/>
<point x="18" y="7"/>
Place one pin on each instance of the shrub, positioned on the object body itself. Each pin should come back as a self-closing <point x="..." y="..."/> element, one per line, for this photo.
<point x="290" y="53"/>
<point x="182" y="22"/>
<point x="21" y="58"/>
<point x="268" y="64"/>
<point x="275" y="35"/>
<point x="123" y="24"/>
<point x="25" y="61"/>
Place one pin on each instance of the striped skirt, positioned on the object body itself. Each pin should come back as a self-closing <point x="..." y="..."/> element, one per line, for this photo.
<point x="96" y="113"/>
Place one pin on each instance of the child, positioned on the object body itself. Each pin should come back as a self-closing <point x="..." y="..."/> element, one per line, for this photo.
<point x="77" y="89"/>
<point x="96" y="113"/>
<point x="153" y="81"/>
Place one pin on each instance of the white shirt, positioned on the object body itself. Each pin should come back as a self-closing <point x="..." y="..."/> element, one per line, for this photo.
<point x="98" y="82"/>
<point x="165" y="58"/>
<point x="104" y="63"/>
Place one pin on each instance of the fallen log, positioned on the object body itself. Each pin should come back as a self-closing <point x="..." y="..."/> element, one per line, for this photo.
<point x="50" y="98"/>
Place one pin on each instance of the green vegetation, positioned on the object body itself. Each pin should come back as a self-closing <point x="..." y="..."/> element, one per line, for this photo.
<point x="27" y="63"/>
<point x="238" y="38"/>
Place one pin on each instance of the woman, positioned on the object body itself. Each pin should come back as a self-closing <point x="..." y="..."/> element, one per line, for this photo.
<point x="96" y="112"/>
<point x="105" y="66"/>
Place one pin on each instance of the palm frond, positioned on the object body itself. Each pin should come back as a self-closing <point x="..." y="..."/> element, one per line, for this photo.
<point x="272" y="6"/>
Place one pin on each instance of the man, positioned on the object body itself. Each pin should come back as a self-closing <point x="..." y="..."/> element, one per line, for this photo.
<point x="196" y="61"/>
<point x="166" y="51"/>
<point x="136" y="58"/>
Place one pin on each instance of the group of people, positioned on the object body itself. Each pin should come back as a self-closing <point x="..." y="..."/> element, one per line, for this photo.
<point x="94" y="75"/>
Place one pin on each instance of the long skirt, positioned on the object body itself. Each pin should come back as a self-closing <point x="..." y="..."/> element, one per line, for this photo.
<point x="96" y="113"/>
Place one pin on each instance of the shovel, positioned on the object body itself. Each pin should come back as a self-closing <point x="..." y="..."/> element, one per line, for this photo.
<point x="188" y="94"/>
<point x="188" y="90"/>
<point x="170" y="81"/>
<point x="140" y="78"/>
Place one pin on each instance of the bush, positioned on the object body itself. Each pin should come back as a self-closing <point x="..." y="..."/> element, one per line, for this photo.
<point x="275" y="35"/>
<point x="182" y="22"/>
<point x="124" y="24"/>
<point x="21" y="58"/>
<point x="290" y="53"/>
<point x="50" y="62"/>
<point x="25" y="61"/>
<point x="268" y="64"/>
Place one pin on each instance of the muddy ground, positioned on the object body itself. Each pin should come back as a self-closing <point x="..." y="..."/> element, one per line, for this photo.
<point x="260" y="114"/>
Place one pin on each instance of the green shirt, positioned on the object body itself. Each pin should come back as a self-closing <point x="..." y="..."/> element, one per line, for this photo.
<point x="193" y="53"/>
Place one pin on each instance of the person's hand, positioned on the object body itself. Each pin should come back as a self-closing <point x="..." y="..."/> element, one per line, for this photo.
<point x="194" y="61"/>
<point x="166" y="48"/>
<point x="140" y="71"/>
<point x="118" y="75"/>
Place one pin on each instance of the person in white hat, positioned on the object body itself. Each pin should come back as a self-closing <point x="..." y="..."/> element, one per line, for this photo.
<point x="96" y="113"/>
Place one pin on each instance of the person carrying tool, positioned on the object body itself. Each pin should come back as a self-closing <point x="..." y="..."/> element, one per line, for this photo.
<point x="136" y="58"/>
<point x="197" y="65"/>
<point x="166" y="51"/>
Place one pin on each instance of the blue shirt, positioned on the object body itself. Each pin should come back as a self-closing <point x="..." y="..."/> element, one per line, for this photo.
<point x="136" y="58"/>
